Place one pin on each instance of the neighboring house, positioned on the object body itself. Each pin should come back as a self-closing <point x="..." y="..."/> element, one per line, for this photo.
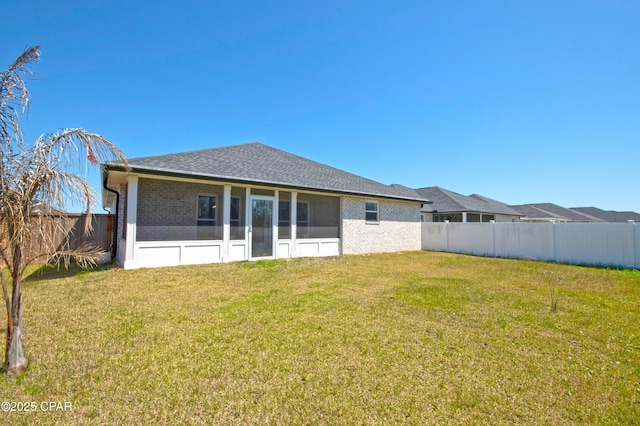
<point x="549" y="212"/>
<point x="40" y="207"/>
<point x="453" y="207"/>
<point x="252" y="201"/>
<point x="608" y="215"/>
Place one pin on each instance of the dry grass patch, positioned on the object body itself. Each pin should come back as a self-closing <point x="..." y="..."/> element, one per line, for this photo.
<point x="413" y="337"/>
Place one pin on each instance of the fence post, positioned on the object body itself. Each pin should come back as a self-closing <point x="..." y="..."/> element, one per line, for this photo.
<point x="493" y="237"/>
<point x="636" y="244"/>
<point x="446" y="232"/>
<point x="553" y="236"/>
<point x="637" y="240"/>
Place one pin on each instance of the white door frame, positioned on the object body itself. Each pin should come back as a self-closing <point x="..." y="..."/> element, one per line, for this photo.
<point x="274" y="222"/>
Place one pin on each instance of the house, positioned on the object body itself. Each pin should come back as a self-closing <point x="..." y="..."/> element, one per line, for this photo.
<point x="549" y="212"/>
<point x="450" y="206"/>
<point x="608" y="215"/>
<point x="251" y="201"/>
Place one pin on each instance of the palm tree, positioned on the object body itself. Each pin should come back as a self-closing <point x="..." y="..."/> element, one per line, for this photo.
<point x="36" y="179"/>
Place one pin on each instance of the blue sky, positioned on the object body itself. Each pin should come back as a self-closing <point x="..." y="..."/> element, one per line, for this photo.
<point x="521" y="101"/>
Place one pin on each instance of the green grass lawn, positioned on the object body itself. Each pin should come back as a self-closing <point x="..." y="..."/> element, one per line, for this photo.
<point x="416" y="338"/>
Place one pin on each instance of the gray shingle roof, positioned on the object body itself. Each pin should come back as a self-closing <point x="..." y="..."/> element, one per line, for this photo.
<point x="449" y="201"/>
<point x="495" y="205"/>
<point x="553" y="211"/>
<point x="531" y="212"/>
<point x="262" y="164"/>
<point x="608" y="215"/>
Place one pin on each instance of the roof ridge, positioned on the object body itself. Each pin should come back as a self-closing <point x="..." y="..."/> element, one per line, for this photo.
<point x="198" y="150"/>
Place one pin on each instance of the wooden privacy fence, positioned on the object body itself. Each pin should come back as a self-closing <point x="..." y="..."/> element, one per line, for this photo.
<point x="71" y="226"/>
<point x="611" y="244"/>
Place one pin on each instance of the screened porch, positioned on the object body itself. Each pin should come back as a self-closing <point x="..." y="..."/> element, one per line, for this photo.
<point x="191" y="222"/>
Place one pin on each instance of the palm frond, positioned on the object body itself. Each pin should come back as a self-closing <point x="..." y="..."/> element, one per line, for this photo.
<point x="86" y="256"/>
<point x="14" y="96"/>
<point x="52" y="160"/>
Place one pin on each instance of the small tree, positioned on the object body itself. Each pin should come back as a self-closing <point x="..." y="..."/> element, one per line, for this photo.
<point x="35" y="180"/>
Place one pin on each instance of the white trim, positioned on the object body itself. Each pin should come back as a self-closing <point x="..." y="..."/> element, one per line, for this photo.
<point x="226" y="221"/>
<point x="317" y="247"/>
<point x="274" y="223"/>
<point x="294" y="222"/>
<point x="151" y="254"/>
<point x="247" y="220"/>
<point x="132" y="218"/>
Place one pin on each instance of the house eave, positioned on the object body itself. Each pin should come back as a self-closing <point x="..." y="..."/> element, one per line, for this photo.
<point x="240" y="181"/>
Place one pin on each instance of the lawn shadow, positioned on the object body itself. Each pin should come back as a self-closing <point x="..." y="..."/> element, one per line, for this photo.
<point x="54" y="272"/>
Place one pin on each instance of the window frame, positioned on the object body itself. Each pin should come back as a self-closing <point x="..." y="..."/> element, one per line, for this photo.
<point x="368" y="211"/>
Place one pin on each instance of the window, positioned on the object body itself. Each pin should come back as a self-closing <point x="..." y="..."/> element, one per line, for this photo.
<point x="371" y="212"/>
<point x="206" y="210"/>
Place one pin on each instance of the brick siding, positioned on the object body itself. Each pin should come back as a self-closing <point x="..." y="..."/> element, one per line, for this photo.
<point x="167" y="210"/>
<point x="398" y="229"/>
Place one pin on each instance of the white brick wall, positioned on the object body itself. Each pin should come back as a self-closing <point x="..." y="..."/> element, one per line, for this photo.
<point x="398" y="229"/>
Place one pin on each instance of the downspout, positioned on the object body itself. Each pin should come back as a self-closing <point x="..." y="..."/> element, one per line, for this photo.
<point x="114" y="249"/>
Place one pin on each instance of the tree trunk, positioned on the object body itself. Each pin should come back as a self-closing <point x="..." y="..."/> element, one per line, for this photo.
<point x="16" y="359"/>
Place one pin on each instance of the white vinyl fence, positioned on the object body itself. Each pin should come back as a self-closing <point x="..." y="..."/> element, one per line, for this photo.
<point x="611" y="244"/>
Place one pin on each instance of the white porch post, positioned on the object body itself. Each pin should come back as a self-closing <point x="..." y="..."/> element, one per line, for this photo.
<point x="132" y="213"/>
<point x="226" y="221"/>
<point x="294" y="223"/>
<point x="464" y="217"/>
<point x="274" y="225"/>
<point x="247" y="212"/>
